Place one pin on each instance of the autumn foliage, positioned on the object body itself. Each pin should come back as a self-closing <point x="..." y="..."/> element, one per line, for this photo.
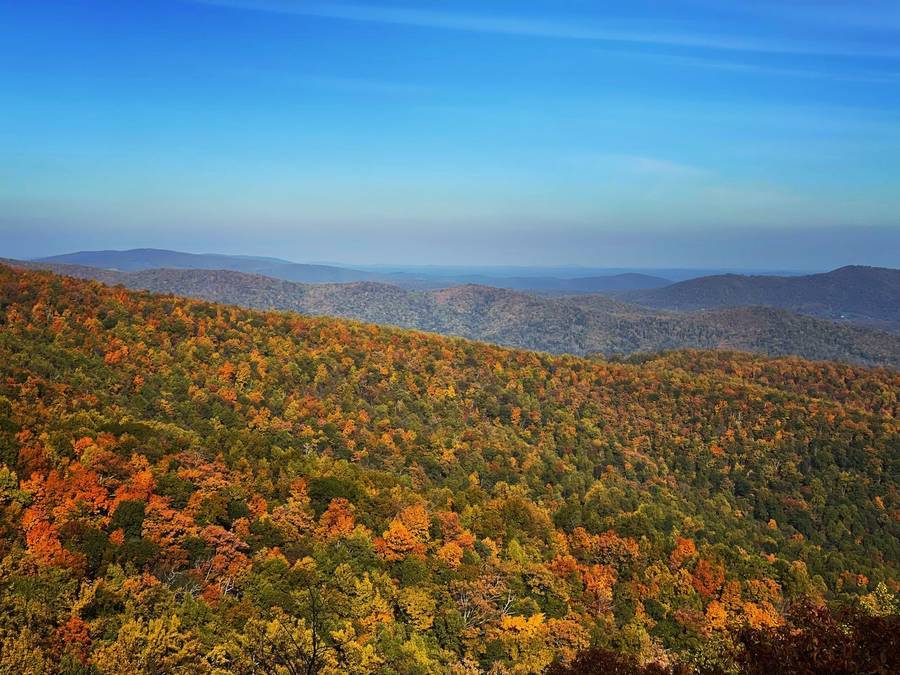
<point x="188" y="487"/>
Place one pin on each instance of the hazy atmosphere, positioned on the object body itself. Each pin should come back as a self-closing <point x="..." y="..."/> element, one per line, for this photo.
<point x="751" y="134"/>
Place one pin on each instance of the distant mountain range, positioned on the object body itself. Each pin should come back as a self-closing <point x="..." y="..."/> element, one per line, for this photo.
<point x="579" y="324"/>
<point x="139" y="259"/>
<point x="861" y="295"/>
<point x="136" y="260"/>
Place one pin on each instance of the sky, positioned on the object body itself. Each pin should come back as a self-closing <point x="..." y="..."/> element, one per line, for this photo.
<point x="705" y="133"/>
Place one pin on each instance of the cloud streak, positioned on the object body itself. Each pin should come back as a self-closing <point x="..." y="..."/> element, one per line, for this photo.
<point x="875" y="15"/>
<point x="871" y="77"/>
<point x="639" y="166"/>
<point x="530" y="28"/>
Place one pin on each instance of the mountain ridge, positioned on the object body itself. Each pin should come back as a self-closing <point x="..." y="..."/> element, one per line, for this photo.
<point x="853" y="293"/>
<point x="579" y="324"/>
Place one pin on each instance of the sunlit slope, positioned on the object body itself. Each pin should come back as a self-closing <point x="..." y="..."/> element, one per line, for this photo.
<point x="454" y="502"/>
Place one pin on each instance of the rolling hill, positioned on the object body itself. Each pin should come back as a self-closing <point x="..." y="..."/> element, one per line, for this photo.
<point x="579" y="324"/>
<point x="194" y="487"/>
<point x="863" y="295"/>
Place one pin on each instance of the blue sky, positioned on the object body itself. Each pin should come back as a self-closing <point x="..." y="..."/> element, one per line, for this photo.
<point x="755" y="133"/>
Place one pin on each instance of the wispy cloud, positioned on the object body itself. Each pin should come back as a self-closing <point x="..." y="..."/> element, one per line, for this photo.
<point x="640" y="166"/>
<point x="547" y="29"/>
<point x="843" y="75"/>
<point x="659" y="167"/>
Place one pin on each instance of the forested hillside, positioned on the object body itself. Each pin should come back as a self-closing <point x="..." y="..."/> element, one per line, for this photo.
<point x="192" y="487"/>
<point x="578" y="325"/>
<point x="857" y="294"/>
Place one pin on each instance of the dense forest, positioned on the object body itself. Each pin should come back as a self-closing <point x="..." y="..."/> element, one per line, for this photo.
<point x="192" y="487"/>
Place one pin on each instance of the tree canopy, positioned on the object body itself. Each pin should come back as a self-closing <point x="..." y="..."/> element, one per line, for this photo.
<point x="191" y="487"/>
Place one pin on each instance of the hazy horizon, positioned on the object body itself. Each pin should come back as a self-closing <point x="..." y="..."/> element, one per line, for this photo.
<point x="451" y="268"/>
<point x="785" y="250"/>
